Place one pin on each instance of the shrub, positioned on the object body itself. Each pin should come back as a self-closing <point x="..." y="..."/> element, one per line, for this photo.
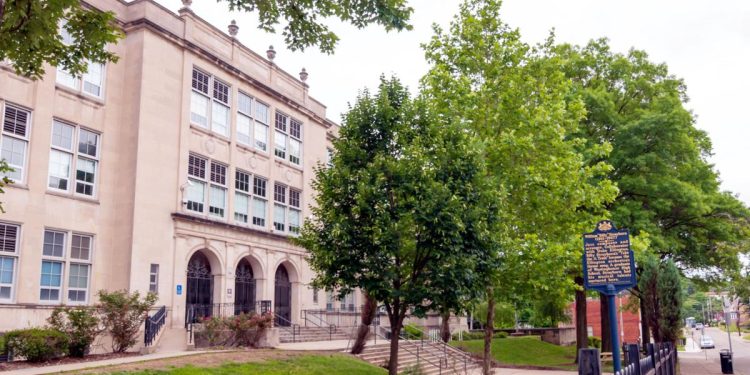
<point x="80" y="324"/>
<point x="414" y="370"/>
<point x="122" y="315"/>
<point x="36" y="344"/>
<point x="500" y="335"/>
<point x="238" y="330"/>
<point x="412" y="332"/>
<point x="213" y="331"/>
<point x="595" y="342"/>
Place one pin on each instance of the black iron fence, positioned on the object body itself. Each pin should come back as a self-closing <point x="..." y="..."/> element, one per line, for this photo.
<point x="197" y="312"/>
<point x="660" y="359"/>
<point x="154" y="323"/>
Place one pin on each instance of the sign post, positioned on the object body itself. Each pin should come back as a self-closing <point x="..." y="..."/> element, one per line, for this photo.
<point x="609" y="267"/>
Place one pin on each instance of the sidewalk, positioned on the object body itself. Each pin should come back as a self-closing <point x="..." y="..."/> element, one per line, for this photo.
<point x="109" y="362"/>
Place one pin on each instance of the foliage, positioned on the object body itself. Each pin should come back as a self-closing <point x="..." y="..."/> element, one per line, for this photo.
<point x="414" y="369"/>
<point x="500" y="335"/>
<point x="122" y="315"/>
<point x="662" y="295"/>
<point x="525" y="351"/>
<point x="330" y="364"/>
<point x="504" y="314"/>
<point x="303" y="28"/>
<point x="4" y="180"/>
<point x="36" y="344"/>
<point x="30" y="35"/>
<point x="412" y="332"/>
<point x="239" y="330"/>
<point x="79" y="324"/>
<point x="595" y="342"/>
<point x="405" y="212"/>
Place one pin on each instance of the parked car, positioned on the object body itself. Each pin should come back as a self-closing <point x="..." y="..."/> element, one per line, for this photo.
<point x="699" y="326"/>
<point x="707" y="342"/>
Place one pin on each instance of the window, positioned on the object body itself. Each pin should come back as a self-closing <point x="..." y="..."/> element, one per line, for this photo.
<point x="63" y="155"/>
<point x="8" y="255"/>
<point x="287" y="138"/>
<point x="55" y="259"/>
<point x="153" y="279"/>
<point x="294" y="211"/>
<point x="286" y="209"/>
<point x="241" y="197"/>
<point x="244" y="119"/>
<point x="91" y="83"/>
<point x="199" y="184"/>
<point x="15" y="140"/>
<point x="261" y="126"/>
<point x="329" y="157"/>
<point x="259" y="201"/>
<point x="209" y="102"/>
<point x="347" y="303"/>
<point x="315" y="295"/>
<point x="218" y="191"/>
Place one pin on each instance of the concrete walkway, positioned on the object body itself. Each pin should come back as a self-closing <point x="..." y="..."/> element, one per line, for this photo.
<point x="95" y="364"/>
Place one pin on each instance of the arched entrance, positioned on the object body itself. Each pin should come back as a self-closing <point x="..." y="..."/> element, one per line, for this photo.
<point x="200" y="288"/>
<point x="282" y="297"/>
<point x="244" y="288"/>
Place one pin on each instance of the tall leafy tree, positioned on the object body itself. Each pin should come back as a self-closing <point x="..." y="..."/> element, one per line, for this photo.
<point x="30" y="35"/>
<point x="405" y="212"/>
<point x="502" y="90"/>
<point x="668" y="189"/>
<point x="662" y="296"/>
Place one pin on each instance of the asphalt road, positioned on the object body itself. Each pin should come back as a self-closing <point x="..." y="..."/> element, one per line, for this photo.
<point x="706" y="362"/>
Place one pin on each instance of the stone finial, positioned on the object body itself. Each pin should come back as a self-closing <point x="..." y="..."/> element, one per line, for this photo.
<point x="303" y="75"/>
<point x="186" y="3"/>
<point x="233" y="28"/>
<point x="271" y="53"/>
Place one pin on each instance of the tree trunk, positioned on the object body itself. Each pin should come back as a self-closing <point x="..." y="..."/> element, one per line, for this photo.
<point x="488" y="331"/>
<point x="395" y="333"/>
<point x="606" y="333"/>
<point x="445" y="327"/>
<point x="582" y="335"/>
<point x="369" y="309"/>
<point x="645" y="330"/>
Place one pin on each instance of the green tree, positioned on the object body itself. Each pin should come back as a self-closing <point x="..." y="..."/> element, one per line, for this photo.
<point x="4" y="180"/>
<point x="668" y="189"/>
<point x="662" y="296"/>
<point x="502" y="90"/>
<point x="30" y="34"/>
<point x="405" y="207"/>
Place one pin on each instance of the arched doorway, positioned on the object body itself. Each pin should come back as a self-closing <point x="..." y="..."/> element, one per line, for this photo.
<point x="200" y="288"/>
<point x="244" y="288"/>
<point x="283" y="297"/>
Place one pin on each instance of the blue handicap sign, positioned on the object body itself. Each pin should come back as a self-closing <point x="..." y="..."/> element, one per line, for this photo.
<point x="179" y="289"/>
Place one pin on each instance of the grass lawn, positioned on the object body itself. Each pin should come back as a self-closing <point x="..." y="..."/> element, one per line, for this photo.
<point x="332" y="364"/>
<point x="525" y="351"/>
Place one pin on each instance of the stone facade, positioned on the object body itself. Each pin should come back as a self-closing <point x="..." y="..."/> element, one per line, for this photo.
<point x="105" y="191"/>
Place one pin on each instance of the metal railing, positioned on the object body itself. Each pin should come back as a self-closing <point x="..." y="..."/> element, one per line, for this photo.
<point x="661" y="359"/>
<point x="290" y="327"/>
<point x="197" y="312"/>
<point x="153" y="325"/>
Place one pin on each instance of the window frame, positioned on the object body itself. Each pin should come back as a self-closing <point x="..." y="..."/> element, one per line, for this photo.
<point x="14" y="257"/>
<point x="79" y="83"/>
<point x="26" y="139"/>
<point x="153" y="286"/>
<point x="208" y="183"/>
<point x="67" y="261"/>
<point x="75" y="156"/>
<point x="286" y="132"/>
<point x="211" y="96"/>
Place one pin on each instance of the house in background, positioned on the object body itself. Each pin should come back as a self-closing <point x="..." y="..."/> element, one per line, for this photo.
<point x="629" y="322"/>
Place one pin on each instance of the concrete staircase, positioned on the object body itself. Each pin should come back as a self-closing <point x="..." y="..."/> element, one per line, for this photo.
<point x="432" y="358"/>
<point x="306" y="334"/>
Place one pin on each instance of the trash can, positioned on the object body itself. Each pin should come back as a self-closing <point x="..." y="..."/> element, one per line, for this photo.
<point x="726" y="362"/>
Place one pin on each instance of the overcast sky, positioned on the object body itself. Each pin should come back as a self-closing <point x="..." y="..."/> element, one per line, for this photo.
<point x="705" y="42"/>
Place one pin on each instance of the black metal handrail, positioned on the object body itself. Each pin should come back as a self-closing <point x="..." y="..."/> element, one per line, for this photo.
<point x="197" y="312"/>
<point x="153" y="325"/>
<point x="294" y="328"/>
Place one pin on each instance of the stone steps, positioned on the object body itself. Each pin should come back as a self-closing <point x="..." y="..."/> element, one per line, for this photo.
<point x="434" y="358"/>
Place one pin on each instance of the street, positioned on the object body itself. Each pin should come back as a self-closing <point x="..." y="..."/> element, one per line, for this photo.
<point x="706" y="362"/>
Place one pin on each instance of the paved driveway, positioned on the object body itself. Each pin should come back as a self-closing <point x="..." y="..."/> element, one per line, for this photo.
<point x="706" y="362"/>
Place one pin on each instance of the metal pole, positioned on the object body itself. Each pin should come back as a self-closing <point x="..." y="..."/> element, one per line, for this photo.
<point x="729" y="335"/>
<point x="611" y="295"/>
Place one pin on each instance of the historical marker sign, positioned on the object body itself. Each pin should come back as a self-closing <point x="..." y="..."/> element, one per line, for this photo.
<point x="607" y="259"/>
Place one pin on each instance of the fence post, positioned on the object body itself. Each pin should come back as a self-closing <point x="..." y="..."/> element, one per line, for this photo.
<point x="633" y="356"/>
<point x="589" y="362"/>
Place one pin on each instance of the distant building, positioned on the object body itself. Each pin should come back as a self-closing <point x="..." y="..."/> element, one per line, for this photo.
<point x="629" y="322"/>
